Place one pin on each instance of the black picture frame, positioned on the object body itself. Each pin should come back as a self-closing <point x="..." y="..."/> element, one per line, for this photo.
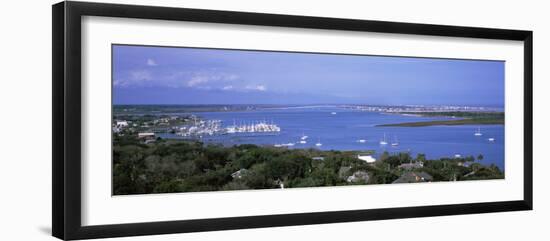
<point x="66" y="75"/>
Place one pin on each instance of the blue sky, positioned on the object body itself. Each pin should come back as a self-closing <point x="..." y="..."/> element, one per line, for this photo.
<point x="166" y="75"/>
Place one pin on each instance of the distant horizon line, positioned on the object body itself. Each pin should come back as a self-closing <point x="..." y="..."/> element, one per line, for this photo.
<point x="321" y="104"/>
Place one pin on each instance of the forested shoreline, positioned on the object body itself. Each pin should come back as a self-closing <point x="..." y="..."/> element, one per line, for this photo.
<point x="167" y="166"/>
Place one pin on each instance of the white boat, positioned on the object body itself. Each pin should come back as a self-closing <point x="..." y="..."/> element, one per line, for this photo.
<point x="478" y="132"/>
<point x="289" y="144"/>
<point x="319" y="142"/>
<point x="304" y="137"/>
<point x="361" y="141"/>
<point x="491" y="139"/>
<point x="395" y="143"/>
<point x="302" y="142"/>
<point x="278" y="145"/>
<point x="458" y="156"/>
<point x="383" y="141"/>
<point x="333" y="113"/>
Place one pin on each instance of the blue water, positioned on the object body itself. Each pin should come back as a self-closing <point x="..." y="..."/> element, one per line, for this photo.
<point x="343" y="130"/>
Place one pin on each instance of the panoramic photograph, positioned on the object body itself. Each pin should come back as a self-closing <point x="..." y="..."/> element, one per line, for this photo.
<point x="201" y="119"/>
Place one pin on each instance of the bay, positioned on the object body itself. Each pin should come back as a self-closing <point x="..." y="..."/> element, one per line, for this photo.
<point x="342" y="129"/>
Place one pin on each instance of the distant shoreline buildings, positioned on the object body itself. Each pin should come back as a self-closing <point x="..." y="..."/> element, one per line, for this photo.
<point x="420" y="108"/>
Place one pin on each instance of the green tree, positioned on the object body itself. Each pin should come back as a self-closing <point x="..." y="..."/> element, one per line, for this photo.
<point x="420" y="157"/>
<point x="479" y="157"/>
<point x="384" y="156"/>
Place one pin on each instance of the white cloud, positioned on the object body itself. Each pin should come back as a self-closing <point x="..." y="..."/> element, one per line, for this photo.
<point x="256" y="87"/>
<point x="120" y="82"/>
<point x="140" y="75"/>
<point x="200" y="79"/>
<point x="151" y="62"/>
<point x="197" y="80"/>
<point x="134" y="78"/>
<point x="177" y="79"/>
<point x="231" y="77"/>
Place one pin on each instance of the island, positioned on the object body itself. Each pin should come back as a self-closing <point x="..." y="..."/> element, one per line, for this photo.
<point x="462" y="118"/>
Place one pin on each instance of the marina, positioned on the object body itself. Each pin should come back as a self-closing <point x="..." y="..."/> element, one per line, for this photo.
<point x="214" y="127"/>
<point x="350" y="129"/>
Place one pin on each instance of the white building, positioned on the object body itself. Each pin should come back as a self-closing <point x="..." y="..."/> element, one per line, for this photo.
<point x="146" y="135"/>
<point x="120" y="124"/>
<point x="367" y="158"/>
<point x="358" y="176"/>
<point x="239" y="174"/>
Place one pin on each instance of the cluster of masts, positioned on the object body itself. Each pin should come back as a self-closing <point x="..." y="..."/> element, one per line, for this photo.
<point x="201" y="128"/>
<point x="261" y="126"/>
<point x="385" y="142"/>
<point x="214" y="127"/>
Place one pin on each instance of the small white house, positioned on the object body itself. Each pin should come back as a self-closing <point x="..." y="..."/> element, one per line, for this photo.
<point x="146" y="135"/>
<point x="367" y="158"/>
<point x="358" y="176"/>
<point x="239" y="174"/>
<point x="120" y="124"/>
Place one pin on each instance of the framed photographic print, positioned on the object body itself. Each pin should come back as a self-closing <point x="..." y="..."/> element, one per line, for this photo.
<point x="170" y="120"/>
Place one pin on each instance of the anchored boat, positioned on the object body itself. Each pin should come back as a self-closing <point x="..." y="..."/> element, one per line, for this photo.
<point x="383" y="141"/>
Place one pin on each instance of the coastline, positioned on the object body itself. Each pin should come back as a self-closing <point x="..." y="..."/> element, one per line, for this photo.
<point x="445" y="123"/>
<point x="463" y="118"/>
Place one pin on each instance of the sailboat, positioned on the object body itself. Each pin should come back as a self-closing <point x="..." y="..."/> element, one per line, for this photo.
<point x="383" y="141"/>
<point x="319" y="142"/>
<point x="303" y="139"/>
<point x="478" y="132"/>
<point x="395" y="143"/>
